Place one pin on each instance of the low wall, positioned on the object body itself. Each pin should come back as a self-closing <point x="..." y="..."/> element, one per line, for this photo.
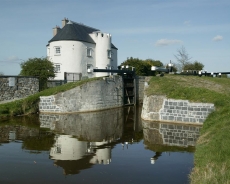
<point x="15" y="87"/>
<point x="92" y="96"/>
<point x="159" y="108"/>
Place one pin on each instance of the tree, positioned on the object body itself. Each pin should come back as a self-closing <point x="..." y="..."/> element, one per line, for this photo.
<point x="39" y="67"/>
<point x="142" y="67"/>
<point x="182" y="58"/>
<point x="1" y="73"/>
<point x="194" y="66"/>
<point x="154" y="62"/>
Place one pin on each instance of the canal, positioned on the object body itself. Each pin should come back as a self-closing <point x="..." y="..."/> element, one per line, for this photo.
<point x="112" y="146"/>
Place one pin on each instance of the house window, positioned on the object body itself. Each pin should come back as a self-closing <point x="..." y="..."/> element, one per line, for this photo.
<point x="89" y="68"/>
<point x="57" y="50"/>
<point x="57" y="67"/>
<point x="89" y="52"/>
<point x="58" y="149"/>
<point x="109" y="54"/>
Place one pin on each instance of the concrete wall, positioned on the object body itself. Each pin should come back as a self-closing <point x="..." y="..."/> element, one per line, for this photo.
<point x="159" y="108"/>
<point x="14" y="87"/>
<point x="96" y="95"/>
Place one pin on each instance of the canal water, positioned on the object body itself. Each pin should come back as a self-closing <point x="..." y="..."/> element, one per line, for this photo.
<point x="112" y="146"/>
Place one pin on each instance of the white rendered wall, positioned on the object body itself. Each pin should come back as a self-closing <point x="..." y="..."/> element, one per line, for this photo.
<point x="103" y="44"/>
<point x="73" y="57"/>
<point x="71" y="148"/>
<point x="102" y="156"/>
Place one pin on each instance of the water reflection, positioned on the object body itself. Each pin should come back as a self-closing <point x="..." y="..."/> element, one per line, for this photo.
<point x="106" y="143"/>
<point x="169" y="137"/>
<point x="10" y="133"/>
<point x="89" y="137"/>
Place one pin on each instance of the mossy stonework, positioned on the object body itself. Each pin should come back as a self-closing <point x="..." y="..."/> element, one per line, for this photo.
<point x="160" y="108"/>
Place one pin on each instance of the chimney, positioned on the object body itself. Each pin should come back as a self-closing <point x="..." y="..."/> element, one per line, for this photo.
<point x="64" y="22"/>
<point x="56" y="30"/>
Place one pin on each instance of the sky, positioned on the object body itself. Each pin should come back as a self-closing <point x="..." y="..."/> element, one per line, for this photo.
<point x="143" y="29"/>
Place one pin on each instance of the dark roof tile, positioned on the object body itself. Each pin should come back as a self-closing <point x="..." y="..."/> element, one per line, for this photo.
<point x="75" y="31"/>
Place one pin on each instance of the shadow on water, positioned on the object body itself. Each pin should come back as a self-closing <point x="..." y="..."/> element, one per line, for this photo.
<point x="76" y="142"/>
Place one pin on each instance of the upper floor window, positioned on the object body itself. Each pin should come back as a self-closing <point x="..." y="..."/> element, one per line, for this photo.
<point x="89" y="52"/>
<point x="57" y="50"/>
<point x="109" y="54"/>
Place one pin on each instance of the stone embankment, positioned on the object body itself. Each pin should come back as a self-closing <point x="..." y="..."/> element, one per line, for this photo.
<point x="92" y="96"/>
<point x="160" y="108"/>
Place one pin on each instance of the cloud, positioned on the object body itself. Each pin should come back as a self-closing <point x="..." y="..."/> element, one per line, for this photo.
<point x="187" y="23"/>
<point x="217" y="38"/>
<point x="11" y="59"/>
<point x="166" y="42"/>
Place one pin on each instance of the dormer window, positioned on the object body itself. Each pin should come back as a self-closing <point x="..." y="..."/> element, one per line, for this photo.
<point x="109" y="54"/>
<point x="57" y="50"/>
<point x="89" y="52"/>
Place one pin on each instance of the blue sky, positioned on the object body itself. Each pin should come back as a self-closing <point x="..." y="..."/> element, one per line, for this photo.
<point x="143" y="29"/>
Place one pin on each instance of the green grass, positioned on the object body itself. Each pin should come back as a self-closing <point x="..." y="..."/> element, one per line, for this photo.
<point x="212" y="155"/>
<point x="30" y="104"/>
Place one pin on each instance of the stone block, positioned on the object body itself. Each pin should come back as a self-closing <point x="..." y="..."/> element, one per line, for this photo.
<point x="179" y="118"/>
<point x="199" y="113"/>
<point x="171" y="118"/>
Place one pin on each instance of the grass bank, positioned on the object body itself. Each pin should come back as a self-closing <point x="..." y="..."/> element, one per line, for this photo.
<point x="30" y="104"/>
<point x="212" y="155"/>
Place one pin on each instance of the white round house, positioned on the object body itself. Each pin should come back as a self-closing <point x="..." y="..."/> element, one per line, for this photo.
<point x="77" y="49"/>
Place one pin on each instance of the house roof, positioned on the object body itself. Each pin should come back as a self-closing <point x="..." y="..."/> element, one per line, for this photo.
<point x="75" y="31"/>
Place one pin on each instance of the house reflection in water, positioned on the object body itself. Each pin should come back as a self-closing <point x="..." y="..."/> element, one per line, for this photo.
<point x="169" y="137"/>
<point x="88" y="139"/>
<point x="68" y="148"/>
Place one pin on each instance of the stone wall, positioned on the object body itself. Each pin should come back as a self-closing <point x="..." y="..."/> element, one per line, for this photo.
<point x="159" y="108"/>
<point x="16" y="87"/>
<point x="16" y="132"/>
<point x="93" y="126"/>
<point x="92" y="96"/>
<point x="181" y="135"/>
<point x="140" y="82"/>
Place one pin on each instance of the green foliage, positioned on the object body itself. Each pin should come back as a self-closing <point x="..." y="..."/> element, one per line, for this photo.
<point x="142" y="67"/>
<point x="212" y="150"/>
<point x="39" y="67"/>
<point x="30" y="104"/>
<point x="193" y="66"/>
<point x="154" y="62"/>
